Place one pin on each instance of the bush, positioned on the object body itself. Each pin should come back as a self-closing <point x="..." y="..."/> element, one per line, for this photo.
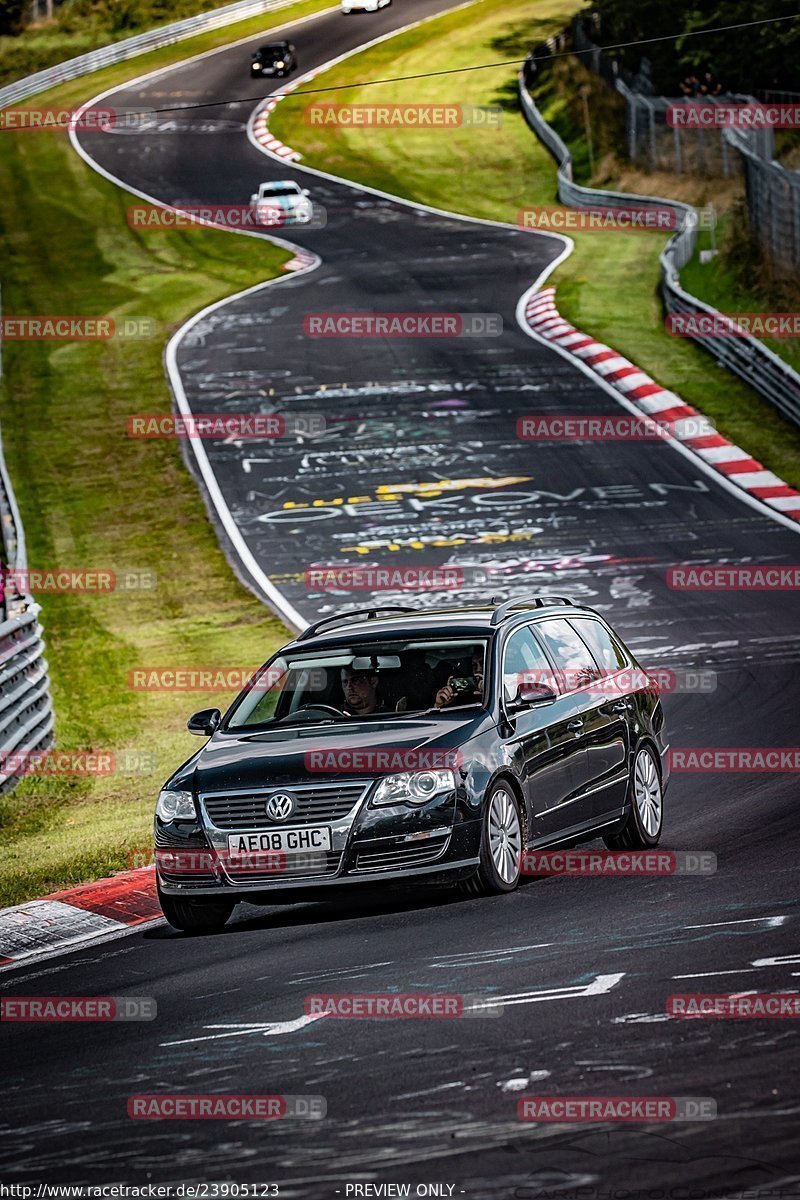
<point x="11" y="16"/>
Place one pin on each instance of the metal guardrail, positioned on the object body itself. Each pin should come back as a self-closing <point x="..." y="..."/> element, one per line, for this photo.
<point x="26" y="710"/>
<point x="773" y="199"/>
<point x="127" y="48"/>
<point x="772" y="189"/>
<point x="745" y="355"/>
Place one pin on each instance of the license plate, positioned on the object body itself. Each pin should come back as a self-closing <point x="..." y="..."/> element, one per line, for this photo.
<point x="316" y="837"/>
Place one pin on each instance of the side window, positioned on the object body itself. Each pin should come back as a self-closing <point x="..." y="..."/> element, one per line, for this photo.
<point x="606" y="651"/>
<point x="572" y="658"/>
<point x="523" y="656"/>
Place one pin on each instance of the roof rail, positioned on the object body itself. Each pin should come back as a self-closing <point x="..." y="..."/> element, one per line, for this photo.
<point x="370" y="613"/>
<point x="541" y="601"/>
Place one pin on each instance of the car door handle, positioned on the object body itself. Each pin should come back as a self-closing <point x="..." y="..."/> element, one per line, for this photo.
<point x="575" y="726"/>
<point x="618" y="706"/>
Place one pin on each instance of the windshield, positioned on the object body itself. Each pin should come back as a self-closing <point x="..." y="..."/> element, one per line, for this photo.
<point x="272" y="52"/>
<point x="378" y="680"/>
<point x="280" y="189"/>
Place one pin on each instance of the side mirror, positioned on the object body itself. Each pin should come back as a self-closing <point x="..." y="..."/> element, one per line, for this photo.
<point x="205" y="722"/>
<point x="306" y="192"/>
<point x="531" y="695"/>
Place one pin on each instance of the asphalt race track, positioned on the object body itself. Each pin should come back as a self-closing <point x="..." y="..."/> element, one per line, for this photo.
<point x="420" y="441"/>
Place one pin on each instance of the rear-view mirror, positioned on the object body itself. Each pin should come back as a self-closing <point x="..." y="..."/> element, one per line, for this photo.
<point x="376" y="662"/>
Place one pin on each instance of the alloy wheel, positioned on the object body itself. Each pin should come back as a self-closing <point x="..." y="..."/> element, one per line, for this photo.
<point x="505" y="835"/>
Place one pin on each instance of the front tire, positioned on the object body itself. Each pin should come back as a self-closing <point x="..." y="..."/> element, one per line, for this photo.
<point x="642" y="828"/>
<point x="502" y="837"/>
<point x="202" y="914"/>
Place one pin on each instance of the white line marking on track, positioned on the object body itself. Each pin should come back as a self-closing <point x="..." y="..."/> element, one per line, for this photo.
<point x="265" y="1028"/>
<point x="770" y="921"/>
<point x="599" y="986"/>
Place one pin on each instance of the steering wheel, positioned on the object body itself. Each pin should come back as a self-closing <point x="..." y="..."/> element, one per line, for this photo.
<point x="324" y="708"/>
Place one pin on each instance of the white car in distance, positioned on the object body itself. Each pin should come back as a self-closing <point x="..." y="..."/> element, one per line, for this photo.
<point x="349" y="6"/>
<point x="281" y="202"/>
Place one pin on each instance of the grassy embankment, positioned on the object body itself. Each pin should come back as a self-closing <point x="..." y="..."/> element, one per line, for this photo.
<point x="92" y="497"/>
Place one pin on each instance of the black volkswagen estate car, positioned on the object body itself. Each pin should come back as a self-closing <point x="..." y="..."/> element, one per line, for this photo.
<point x="400" y="745"/>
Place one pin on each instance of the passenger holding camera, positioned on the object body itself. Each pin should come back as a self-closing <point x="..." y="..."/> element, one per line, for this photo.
<point x="467" y="689"/>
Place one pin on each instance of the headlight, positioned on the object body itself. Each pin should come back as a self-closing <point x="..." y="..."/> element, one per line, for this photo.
<point x="176" y="806"/>
<point x="280" y="64"/>
<point x="413" y="788"/>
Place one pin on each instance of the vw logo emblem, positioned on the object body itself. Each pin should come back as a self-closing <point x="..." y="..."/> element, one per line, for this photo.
<point x="280" y="806"/>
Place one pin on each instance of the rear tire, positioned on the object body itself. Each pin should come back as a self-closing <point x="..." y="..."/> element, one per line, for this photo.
<point x="502" y="842"/>
<point x="645" y="820"/>
<point x="199" y="915"/>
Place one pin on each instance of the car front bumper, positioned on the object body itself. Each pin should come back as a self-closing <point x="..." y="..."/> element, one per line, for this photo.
<point x="368" y="846"/>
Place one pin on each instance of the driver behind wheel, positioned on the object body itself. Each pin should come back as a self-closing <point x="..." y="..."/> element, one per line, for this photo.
<point x="361" y="692"/>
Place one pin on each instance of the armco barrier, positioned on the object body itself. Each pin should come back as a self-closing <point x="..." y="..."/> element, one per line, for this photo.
<point x="127" y="48"/>
<point x="746" y="356"/>
<point x="26" y="710"/>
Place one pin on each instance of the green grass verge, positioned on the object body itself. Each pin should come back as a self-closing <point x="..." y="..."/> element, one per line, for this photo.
<point x="92" y="497"/>
<point x="609" y="285"/>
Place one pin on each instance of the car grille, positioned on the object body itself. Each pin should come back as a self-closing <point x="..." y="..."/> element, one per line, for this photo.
<point x="398" y="857"/>
<point x="316" y="805"/>
<point x="297" y="866"/>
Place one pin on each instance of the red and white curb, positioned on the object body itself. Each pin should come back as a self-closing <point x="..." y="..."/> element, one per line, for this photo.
<point x="68" y="920"/>
<point x="261" y="131"/>
<point x="666" y="407"/>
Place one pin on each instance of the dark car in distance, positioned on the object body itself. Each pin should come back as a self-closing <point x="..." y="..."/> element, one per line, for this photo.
<point x="273" y="59"/>
<point x="397" y="745"/>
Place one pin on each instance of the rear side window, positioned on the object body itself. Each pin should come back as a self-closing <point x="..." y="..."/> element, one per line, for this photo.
<point x="607" y="652"/>
<point x="574" y="663"/>
<point x="524" y="658"/>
